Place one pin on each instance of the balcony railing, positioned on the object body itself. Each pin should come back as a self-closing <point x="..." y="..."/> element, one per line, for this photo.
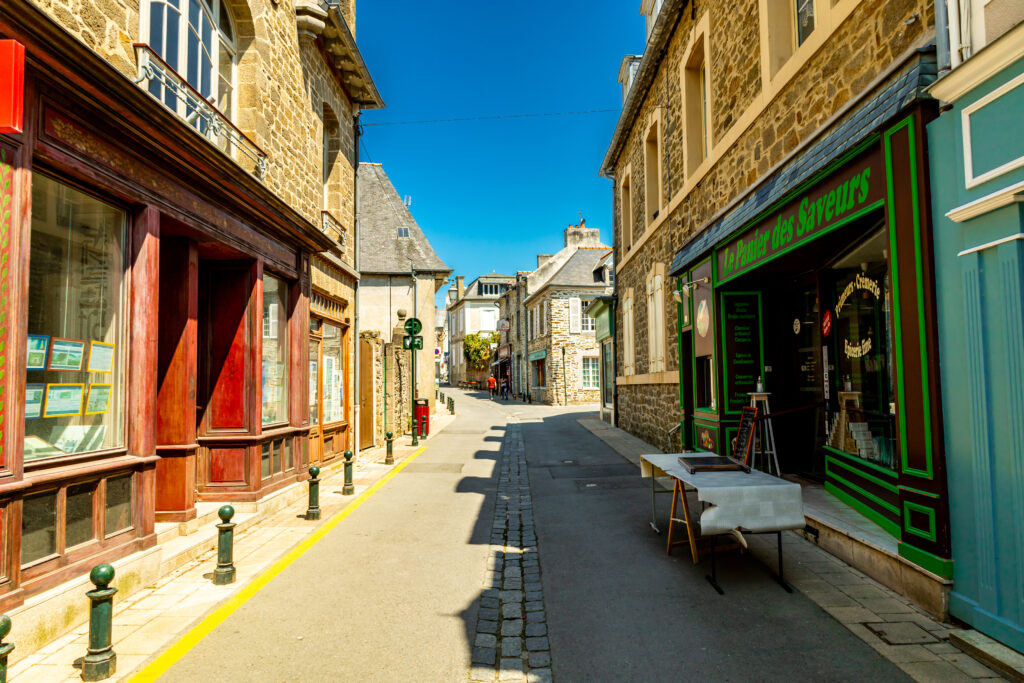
<point x="163" y="82"/>
<point x="333" y="228"/>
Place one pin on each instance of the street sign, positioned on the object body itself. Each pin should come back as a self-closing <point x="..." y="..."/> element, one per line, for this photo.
<point x="412" y="342"/>
<point x="413" y="326"/>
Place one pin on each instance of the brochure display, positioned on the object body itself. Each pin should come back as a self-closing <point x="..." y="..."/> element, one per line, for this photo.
<point x="38" y="345"/>
<point x="101" y="357"/>
<point x="98" y="401"/>
<point x="67" y="354"/>
<point x="63" y="400"/>
<point x="34" y="400"/>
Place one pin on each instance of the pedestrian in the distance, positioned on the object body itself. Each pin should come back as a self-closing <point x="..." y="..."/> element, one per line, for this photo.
<point x="491" y="384"/>
<point x="504" y="388"/>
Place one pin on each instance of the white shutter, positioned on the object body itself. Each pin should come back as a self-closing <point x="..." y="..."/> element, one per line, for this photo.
<point x="627" y="343"/>
<point x="659" y="321"/>
<point x="575" y="323"/>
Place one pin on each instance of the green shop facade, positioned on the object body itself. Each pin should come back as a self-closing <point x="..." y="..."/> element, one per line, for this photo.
<point x="818" y="289"/>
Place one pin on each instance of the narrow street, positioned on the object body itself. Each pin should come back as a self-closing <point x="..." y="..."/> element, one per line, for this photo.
<point x="424" y="582"/>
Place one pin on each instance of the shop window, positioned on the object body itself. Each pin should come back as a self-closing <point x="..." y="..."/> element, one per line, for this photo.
<point x="289" y="459"/>
<point x="119" y="504"/>
<point x="314" y="381"/>
<point x="333" y="379"/>
<point x="275" y="456"/>
<point x="607" y="374"/>
<point x="275" y="351"/>
<point x="591" y="373"/>
<point x="38" y="527"/>
<point x="538" y="368"/>
<point x="196" y="39"/>
<point x="704" y="383"/>
<point x="74" y="394"/>
<point x="78" y="526"/>
<point x="652" y="172"/>
<point x="626" y="211"/>
<point x="696" y="106"/>
<point x="265" y="468"/>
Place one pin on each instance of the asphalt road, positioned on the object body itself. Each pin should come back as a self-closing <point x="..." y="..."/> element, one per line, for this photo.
<point x="392" y="593"/>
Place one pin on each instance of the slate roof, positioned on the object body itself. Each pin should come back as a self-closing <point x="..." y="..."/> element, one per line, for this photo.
<point x="899" y="92"/>
<point x="381" y="213"/>
<point x="578" y="271"/>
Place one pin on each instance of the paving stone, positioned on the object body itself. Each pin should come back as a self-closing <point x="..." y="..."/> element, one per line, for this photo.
<point x="512" y="627"/>
<point x="902" y="654"/>
<point x="511" y="647"/>
<point x="852" y="615"/>
<point x="830" y="598"/>
<point x="484" y="655"/>
<point x="488" y="614"/>
<point x="937" y="648"/>
<point x="487" y="626"/>
<point x="513" y="573"/>
<point x="537" y="643"/>
<point x="490" y="593"/>
<point x="534" y="630"/>
<point x="485" y="640"/>
<point x="512" y="584"/>
<point x="489" y="602"/>
<point x="539" y="659"/>
<point x="483" y="674"/>
<point x="935" y="671"/>
<point x="902" y="633"/>
<point x="512" y="610"/>
<point x="511" y="668"/>
<point x="533" y="586"/>
<point x="843" y="578"/>
<point x="969" y="665"/>
<point x="884" y="605"/>
<point x="532" y="577"/>
<point x="534" y="606"/>
<point x="539" y="676"/>
<point x="512" y="596"/>
<point x="534" y="595"/>
<point x="535" y="617"/>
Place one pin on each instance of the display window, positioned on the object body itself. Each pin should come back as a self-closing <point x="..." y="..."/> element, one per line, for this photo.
<point x="332" y="386"/>
<point x="75" y="394"/>
<point x="275" y="351"/>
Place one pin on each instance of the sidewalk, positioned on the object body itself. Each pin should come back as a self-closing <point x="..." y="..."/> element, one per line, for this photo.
<point x="890" y="624"/>
<point x="151" y="619"/>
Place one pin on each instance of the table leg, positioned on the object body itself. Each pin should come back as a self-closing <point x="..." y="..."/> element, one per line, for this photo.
<point x="689" y="522"/>
<point x="672" y="516"/>
<point x="654" y="518"/>
<point x="780" y="577"/>
<point x="713" y="576"/>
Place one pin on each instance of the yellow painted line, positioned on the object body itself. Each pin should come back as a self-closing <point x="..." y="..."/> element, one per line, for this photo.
<point x="171" y="655"/>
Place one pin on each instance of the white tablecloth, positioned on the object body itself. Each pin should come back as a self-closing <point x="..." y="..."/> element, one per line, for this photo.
<point x="752" y="500"/>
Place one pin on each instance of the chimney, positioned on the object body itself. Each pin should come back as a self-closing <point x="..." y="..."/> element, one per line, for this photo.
<point x="460" y="289"/>
<point x="582" y="236"/>
<point x="543" y="258"/>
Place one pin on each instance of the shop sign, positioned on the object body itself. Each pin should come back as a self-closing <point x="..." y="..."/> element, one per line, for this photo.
<point x="538" y="355"/>
<point x="504" y="351"/>
<point x="826" y="324"/>
<point x="12" y="86"/>
<point x="825" y="206"/>
<point x="860" y="283"/>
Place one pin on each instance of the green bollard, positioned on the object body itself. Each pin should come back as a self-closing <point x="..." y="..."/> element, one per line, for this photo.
<point x="390" y="458"/>
<point x="423" y="428"/>
<point x="313" y="511"/>
<point x="225" y="571"/>
<point x="415" y="431"/>
<point x="451" y="406"/>
<point x="5" y="648"/>
<point x="100" y="662"/>
<point x="349" y="489"/>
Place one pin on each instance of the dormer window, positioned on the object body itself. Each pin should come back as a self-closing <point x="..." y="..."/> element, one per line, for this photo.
<point x="650" y="9"/>
<point x="403" y="232"/>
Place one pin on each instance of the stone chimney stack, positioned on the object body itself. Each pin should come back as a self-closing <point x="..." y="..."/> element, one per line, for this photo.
<point x="460" y="289"/>
<point x="582" y="236"/>
<point x="543" y="258"/>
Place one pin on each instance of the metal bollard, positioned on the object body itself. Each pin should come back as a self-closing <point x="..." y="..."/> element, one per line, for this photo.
<point x="423" y="427"/>
<point x="451" y="406"/>
<point x="100" y="662"/>
<point x="5" y="648"/>
<point x="225" y="571"/>
<point x="415" y="431"/>
<point x="348" y="489"/>
<point x="313" y="511"/>
<point x="390" y="458"/>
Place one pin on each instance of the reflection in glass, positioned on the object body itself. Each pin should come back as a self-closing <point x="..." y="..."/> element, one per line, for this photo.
<point x="78" y="514"/>
<point x="38" y="526"/>
<point x="275" y="351"/>
<point x="333" y="377"/>
<point x="75" y="298"/>
<point x="119" y="504"/>
<point x="265" y="460"/>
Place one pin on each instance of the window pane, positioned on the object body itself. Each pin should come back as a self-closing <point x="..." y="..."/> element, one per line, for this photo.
<point x="804" y="20"/>
<point x="38" y="526"/>
<point x="275" y="457"/>
<point x="333" y="384"/>
<point x="314" y="381"/>
<point x="289" y="459"/>
<point x="275" y="351"/>
<point x="75" y="390"/>
<point x="78" y="515"/>
<point x="119" y="504"/>
<point x="265" y="460"/>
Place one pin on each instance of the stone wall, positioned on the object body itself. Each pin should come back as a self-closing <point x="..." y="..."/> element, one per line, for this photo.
<point x="766" y="129"/>
<point x="649" y="411"/>
<point x="565" y="384"/>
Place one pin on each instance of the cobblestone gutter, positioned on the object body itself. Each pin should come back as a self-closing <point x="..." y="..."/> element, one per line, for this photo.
<point x="511" y="640"/>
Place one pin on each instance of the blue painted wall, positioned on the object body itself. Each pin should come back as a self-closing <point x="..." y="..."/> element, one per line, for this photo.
<point x="980" y="299"/>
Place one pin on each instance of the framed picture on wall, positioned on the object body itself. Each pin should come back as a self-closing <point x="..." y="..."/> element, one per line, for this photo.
<point x="66" y="354"/>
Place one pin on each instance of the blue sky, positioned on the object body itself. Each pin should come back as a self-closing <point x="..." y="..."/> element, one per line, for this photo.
<point x="491" y="195"/>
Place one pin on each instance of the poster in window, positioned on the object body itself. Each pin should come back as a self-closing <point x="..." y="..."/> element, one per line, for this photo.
<point x="38" y="345"/>
<point x="34" y="400"/>
<point x="101" y="357"/>
<point x="63" y="399"/>
<point x="66" y="354"/>
<point x="98" y="401"/>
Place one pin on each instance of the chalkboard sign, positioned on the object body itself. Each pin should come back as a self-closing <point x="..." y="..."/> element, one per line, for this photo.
<point x="745" y="435"/>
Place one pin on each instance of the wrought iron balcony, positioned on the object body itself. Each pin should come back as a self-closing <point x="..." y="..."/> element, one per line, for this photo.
<point x="333" y="228"/>
<point x="165" y="84"/>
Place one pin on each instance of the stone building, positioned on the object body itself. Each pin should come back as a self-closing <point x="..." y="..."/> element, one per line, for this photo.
<point x="399" y="275"/>
<point x="472" y="310"/>
<point x="770" y="191"/>
<point x="179" y="328"/>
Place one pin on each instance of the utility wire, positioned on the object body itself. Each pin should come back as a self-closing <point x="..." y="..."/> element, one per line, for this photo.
<point x="491" y="118"/>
